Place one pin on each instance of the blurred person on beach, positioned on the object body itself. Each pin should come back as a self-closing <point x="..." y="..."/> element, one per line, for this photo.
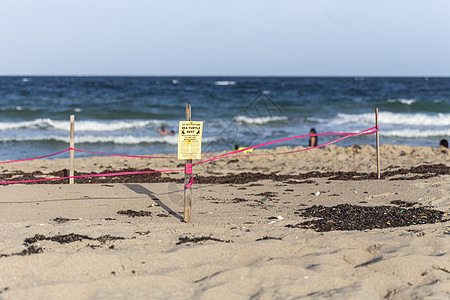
<point x="443" y="144"/>
<point x="313" y="140"/>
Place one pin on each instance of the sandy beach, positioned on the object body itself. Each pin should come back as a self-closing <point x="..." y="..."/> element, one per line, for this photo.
<point x="249" y="237"/>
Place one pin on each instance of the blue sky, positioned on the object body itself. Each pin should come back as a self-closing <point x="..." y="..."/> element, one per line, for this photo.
<point x="233" y="37"/>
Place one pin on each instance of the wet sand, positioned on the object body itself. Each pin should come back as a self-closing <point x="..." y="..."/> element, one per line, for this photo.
<point x="263" y="227"/>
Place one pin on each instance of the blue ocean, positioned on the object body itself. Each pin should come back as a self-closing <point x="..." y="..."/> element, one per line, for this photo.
<point x="122" y="115"/>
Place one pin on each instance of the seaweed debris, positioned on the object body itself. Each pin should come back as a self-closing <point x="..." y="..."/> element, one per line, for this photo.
<point x="133" y="213"/>
<point x="422" y="172"/>
<point x="356" y="217"/>
<point x="199" y="240"/>
<point x="70" y="238"/>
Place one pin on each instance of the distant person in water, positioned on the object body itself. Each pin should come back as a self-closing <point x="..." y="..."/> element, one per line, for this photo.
<point x="163" y="130"/>
<point x="443" y="143"/>
<point x="313" y="139"/>
<point x="172" y="132"/>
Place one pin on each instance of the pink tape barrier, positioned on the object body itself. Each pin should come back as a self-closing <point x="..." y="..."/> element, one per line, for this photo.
<point x="188" y="169"/>
<point x="371" y="130"/>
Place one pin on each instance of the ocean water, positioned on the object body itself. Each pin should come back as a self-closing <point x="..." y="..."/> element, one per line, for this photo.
<point x="122" y="114"/>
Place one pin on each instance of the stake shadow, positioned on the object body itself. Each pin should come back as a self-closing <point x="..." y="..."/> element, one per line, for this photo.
<point x="139" y="189"/>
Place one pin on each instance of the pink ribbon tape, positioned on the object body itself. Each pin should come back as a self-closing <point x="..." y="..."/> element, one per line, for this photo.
<point x="190" y="182"/>
<point x="371" y="130"/>
<point x="188" y="169"/>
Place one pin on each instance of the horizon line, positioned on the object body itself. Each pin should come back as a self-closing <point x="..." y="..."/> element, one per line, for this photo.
<point x="174" y="75"/>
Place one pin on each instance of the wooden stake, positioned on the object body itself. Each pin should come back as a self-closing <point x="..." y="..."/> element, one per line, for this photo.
<point x="378" y="144"/>
<point x="187" y="178"/>
<point x="72" y="145"/>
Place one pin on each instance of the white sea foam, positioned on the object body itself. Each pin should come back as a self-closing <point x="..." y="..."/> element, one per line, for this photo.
<point x="410" y="119"/>
<point x="416" y="133"/>
<point x="126" y="139"/>
<point x="94" y="139"/>
<point x="16" y="108"/>
<point x="34" y="138"/>
<point x="23" y="124"/>
<point x="404" y="101"/>
<point x="225" y="82"/>
<point x="80" y="126"/>
<point x="415" y="119"/>
<point x="104" y="126"/>
<point x="259" y="121"/>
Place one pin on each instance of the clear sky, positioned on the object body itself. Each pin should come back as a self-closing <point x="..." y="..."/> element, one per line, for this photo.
<point x="232" y="37"/>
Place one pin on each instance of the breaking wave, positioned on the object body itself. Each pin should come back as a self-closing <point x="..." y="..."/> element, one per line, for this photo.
<point x="80" y="126"/>
<point x="410" y="119"/>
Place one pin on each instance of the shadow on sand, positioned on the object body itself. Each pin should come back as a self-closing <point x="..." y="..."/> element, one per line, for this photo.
<point x="139" y="189"/>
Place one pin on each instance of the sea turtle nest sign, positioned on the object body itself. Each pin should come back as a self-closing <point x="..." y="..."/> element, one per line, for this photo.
<point x="190" y="139"/>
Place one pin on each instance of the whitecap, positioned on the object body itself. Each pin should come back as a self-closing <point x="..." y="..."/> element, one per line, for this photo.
<point x="403" y="101"/>
<point x="80" y="126"/>
<point x="125" y="139"/>
<point x="225" y="82"/>
<point x="261" y="120"/>
<point x="416" y="133"/>
<point x="23" y="124"/>
<point x="97" y="139"/>
<point x="35" y="139"/>
<point x="104" y="126"/>
<point x="411" y="119"/>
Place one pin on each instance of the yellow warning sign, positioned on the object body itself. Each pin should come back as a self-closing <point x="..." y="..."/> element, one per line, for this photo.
<point x="190" y="139"/>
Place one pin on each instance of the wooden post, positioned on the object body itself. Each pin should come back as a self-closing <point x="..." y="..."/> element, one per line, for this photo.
<point x="378" y="144"/>
<point x="187" y="178"/>
<point x="72" y="145"/>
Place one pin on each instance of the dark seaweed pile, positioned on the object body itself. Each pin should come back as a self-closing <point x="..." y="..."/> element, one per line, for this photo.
<point x="133" y="213"/>
<point x="354" y="217"/>
<point x="62" y="239"/>
<point x="420" y="172"/>
<point x="70" y="238"/>
<point x="61" y="220"/>
<point x="268" y="238"/>
<point x="186" y="239"/>
<point x="29" y="250"/>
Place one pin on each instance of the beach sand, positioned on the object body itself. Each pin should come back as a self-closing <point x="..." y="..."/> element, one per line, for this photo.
<point x="128" y="241"/>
